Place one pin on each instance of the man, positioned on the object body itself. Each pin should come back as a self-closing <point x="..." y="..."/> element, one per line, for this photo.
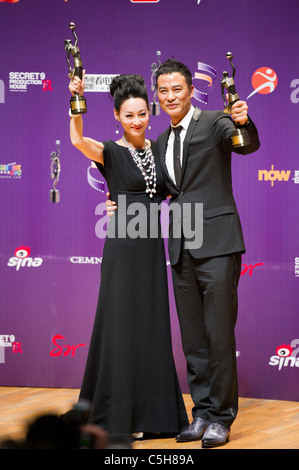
<point x="205" y="279"/>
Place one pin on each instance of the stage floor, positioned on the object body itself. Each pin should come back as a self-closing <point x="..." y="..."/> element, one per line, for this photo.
<point x="260" y="424"/>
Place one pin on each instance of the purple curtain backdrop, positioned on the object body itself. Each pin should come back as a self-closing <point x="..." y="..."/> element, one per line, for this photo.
<point x="50" y="256"/>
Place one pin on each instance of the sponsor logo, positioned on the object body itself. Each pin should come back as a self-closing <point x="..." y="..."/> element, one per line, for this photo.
<point x="206" y="73"/>
<point x="286" y="355"/>
<point x="9" y="341"/>
<point x="264" y="81"/>
<point x="248" y="268"/>
<point x="23" y="260"/>
<point x="47" y="85"/>
<point x="19" y="81"/>
<point x="2" y="92"/>
<point x="10" y="1"/>
<point x="296" y="177"/>
<point x="96" y="184"/>
<point x="85" y="260"/>
<point x="64" y="349"/>
<point x="98" y="82"/>
<point x="296" y="267"/>
<point x="275" y="175"/>
<point x="10" y="170"/>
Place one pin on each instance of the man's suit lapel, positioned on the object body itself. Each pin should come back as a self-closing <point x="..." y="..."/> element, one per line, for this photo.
<point x="190" y="130"/>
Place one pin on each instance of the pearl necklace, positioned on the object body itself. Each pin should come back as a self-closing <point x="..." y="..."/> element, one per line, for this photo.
<point x="146" y="163"/>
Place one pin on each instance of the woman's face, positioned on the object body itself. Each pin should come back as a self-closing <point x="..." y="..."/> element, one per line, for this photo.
<point x="133" y="116"/>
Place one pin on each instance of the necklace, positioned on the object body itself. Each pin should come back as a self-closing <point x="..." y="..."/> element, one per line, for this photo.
<point x="146" y="163"/>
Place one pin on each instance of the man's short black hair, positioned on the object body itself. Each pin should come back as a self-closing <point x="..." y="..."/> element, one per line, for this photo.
<point x="173" y="65"/>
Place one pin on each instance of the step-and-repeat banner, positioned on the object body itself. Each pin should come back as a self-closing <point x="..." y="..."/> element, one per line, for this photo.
<point x="51" y="209"/>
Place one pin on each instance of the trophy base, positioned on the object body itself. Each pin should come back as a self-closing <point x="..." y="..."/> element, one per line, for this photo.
<point x="240" y="138"/>
<point x="78" y="104"/>
<point x="54" y="195"/>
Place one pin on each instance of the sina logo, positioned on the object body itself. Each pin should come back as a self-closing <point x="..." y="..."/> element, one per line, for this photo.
<point x="285" y="356"/>
<point x="22" y="259"/>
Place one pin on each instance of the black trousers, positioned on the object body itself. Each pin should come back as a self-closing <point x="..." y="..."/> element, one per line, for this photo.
<point x="206" y="298"/>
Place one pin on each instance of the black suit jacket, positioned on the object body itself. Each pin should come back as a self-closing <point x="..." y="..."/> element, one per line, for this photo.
<point x="206" y="179"/>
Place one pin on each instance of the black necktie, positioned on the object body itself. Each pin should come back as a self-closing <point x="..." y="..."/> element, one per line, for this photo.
<point x="177" y="154"/>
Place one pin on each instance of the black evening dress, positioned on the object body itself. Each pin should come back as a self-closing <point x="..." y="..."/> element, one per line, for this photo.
<point x="130" y="377"/>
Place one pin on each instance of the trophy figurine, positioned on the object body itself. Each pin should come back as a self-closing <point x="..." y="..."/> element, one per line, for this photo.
<point x="154" y="105"/>
<point x="77" y="102"/>
<point x="55" y="172"/>
<point x="240" y="136"/>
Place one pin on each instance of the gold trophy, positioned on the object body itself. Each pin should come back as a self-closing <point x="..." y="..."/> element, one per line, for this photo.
<point x="77" y="102"/>
<point x="240" y="136"/>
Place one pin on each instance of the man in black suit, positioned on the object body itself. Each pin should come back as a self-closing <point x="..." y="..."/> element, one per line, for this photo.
<point x="205" y="278"/>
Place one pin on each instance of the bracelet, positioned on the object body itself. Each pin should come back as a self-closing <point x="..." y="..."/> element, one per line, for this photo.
<point x="73" y="115"/>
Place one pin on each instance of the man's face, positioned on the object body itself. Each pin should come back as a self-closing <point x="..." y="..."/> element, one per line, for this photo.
<point x="174" y="95"/>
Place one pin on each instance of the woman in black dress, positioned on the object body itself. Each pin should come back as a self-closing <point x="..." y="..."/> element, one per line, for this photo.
<point x="130" y="377"/>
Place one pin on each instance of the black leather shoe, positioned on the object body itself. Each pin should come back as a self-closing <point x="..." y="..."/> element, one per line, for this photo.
<point x="194" y="432"/>
<point x="215" y="435"/>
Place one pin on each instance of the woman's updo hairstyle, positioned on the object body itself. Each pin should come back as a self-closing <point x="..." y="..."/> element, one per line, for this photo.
<point x="124" y="87"/>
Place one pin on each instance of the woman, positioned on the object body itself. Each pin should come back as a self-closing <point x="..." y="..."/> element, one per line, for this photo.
<point x="130" y="377"/>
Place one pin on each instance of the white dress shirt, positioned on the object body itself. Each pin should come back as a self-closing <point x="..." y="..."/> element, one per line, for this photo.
<point x="169" y="150"/>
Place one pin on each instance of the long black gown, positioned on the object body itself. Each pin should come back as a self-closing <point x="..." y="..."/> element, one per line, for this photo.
<point x="130" y="376"/>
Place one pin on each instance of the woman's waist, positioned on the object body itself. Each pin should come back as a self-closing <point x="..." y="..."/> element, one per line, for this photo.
<point x="129" y="197"/>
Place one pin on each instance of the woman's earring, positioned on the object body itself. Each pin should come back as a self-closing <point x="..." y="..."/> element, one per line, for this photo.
<point x="149" y="125"/>
<point x="117" y="128"/>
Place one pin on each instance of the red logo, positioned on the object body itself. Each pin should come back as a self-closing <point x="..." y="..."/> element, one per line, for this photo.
<point x="47" y="85"/>
<point x="284" y="350"/>
<point x="64" y="349"/>
<point x="264" y="81"/>
<point x="17" y="347"/>
<point x="249" y="268"/>
<point x="145" y="1"/>
<point x="22" y="251"/>
<point x="9" y="1"/>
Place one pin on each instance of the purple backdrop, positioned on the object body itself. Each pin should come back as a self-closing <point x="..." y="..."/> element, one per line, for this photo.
<point x="48" y="297"/>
